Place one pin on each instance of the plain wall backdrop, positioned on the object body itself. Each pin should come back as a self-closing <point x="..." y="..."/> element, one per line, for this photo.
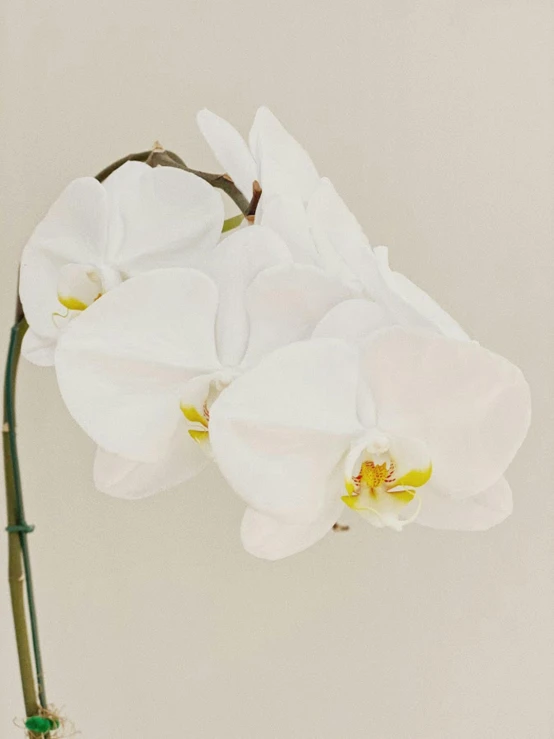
<point x="435" y="120"/>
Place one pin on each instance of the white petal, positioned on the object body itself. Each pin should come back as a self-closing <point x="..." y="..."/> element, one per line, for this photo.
<point x="287" y="216"/>
<point x="285" y="167"/>
<point x="74" y="230"/>
<point x="38" y="350"/>
<point x="125" y="478"/>
<point x="161" y="217"/>
<point x="352" y="320"/>
<point x="339" y="236"/>
<point x="75" y="227"/>
<point x="470" y="406"/>
<point x="279" y="432"/>
<point x="285" y="304"/>
<point x="345" y="251"/>
<point x="269" y="538"/>
<point x="418" y="299"/>
<point x="476" y="513"/>
<point x="234" y="264"/>
<point x="123" y="364"/>
<point x="230" y="150"/>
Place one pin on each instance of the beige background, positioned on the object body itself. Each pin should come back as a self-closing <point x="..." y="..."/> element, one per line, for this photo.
<point x="435" y="119"/>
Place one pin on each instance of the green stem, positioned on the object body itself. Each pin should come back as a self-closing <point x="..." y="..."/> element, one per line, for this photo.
<point x="19" y="565"/>
<point x="107" y="171"/>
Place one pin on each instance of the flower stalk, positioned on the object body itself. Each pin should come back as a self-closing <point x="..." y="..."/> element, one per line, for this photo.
<point x="19" y="566"/>
<point x="160" y="157"/>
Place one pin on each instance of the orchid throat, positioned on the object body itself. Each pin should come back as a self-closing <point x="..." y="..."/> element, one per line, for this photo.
<point x="381" y="483"/>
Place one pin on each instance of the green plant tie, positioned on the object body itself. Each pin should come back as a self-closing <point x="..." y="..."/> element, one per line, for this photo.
<point x="20" y="528"/>
<point x="41" y="724"/>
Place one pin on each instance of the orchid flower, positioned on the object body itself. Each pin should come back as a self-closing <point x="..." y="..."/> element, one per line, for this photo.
<point x="141" y="368"/>
<point x="97" y="235"/>
<point x="403" y="426"/>
<point x="319" y="229"/>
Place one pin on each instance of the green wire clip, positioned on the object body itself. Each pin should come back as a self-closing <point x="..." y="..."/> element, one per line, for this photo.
<point x="41" y="724"/>
<point x="20" y="528"/>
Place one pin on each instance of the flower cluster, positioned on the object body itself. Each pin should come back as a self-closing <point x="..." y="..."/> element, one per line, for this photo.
<point x="288" y="352"/>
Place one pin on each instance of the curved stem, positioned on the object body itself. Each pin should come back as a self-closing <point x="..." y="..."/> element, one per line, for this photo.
<point x="19" y="565"/>
<point x="159" y="157"/>
<point x="107" y="171"/>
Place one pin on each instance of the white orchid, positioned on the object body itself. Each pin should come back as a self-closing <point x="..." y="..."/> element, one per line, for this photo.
<point x="406" y="426"/>
<point x="97" y="235"/>
<point x="319" y="229"/>
<point x="141" y="368"/>
<point x="291" y="352"/>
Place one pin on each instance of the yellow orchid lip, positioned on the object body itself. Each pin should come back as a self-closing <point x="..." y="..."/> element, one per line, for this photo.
<point x="350" y="486"/>
<point x="192" y="414"/>
<point x="200" y="437"/>
<point x="377" y="492"/>
<point x="80" y="285"/>
<point x="380" y="477"/>
<point x="416" y="478"/>
<point x="72" y="303"/>
<point x="198" y="415"/>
